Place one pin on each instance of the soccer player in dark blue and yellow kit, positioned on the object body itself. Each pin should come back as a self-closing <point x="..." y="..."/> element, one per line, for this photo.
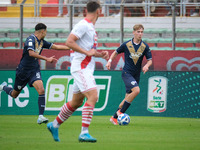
<point x="134" y="50"/>
<point x="28" y="70"/>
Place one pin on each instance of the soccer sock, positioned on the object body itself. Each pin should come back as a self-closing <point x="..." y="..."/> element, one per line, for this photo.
<point x="125" y="106"/>
<point x="87" y="114"/>
<point x="84" y="130"/>
<point x="56" y="124"/>
<point x="41" y="104"/>
<point x="8" y="90"/>
<point x="115" y="114"/>
<point x="65" y="112"/>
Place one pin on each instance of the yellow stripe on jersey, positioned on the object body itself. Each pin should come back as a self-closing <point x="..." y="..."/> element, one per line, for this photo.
<point x="135" y="55"/>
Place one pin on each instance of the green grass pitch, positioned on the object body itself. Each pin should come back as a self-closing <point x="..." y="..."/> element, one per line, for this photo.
<point x="143" y="133"/>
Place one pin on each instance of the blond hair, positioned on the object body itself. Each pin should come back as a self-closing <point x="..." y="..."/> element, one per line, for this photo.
<point x="137" y="27"/>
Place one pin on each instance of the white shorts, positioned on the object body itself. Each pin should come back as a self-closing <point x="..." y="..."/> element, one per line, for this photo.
<point x="83" y="81"/>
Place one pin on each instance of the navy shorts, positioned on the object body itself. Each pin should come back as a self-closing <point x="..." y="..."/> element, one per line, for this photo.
<point x="130" y="81"/>
<point x="25" y="76"/>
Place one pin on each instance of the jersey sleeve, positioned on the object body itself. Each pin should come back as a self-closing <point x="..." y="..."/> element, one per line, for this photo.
<point x="121" y="49"/>
<point x="79" y="30"/>
<point x="47" y="45"/>
<point x="148" y="54"/>
<point x="30" y="43"/>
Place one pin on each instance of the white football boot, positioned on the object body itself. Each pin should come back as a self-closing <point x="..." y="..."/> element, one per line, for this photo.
<point x="2" y="85"/>
<point x="42" y="119"/>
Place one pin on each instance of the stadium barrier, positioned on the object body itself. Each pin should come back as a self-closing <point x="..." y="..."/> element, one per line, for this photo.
<point x="107" y="37"/>
<point x="166" y="93"/>
<point x="163" y="60"/>
<point x="109" y="42"/>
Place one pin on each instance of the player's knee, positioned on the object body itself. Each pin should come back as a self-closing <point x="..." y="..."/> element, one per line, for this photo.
<point x="96" y="98"/>
<point x="93" y="99"/>
<point x="136" y="90"/>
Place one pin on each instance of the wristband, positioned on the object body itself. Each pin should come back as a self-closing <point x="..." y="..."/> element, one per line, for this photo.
<point x="110" y="60"/>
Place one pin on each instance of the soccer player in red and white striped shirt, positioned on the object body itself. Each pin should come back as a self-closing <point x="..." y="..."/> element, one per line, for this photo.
<point x="83" y="41"/>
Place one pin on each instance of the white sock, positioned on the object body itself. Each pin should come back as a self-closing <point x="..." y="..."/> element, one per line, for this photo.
<point x="56" y="124"/>
<point x="84" y="130"/>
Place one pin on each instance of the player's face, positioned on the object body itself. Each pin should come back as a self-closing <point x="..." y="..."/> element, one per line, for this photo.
<point x="44" y="33"/>
<point x="98" y="13"/>
<point x="138" y="34"/>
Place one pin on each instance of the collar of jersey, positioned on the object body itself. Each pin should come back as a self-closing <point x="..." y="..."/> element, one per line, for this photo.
<point x="36" y="37"/>
<point x="88" y="20"/>
<point x="136" y="43"/>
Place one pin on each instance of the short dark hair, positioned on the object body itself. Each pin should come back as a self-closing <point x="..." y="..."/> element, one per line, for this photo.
<point x="92" y="6"/>
<point x="40" y="26"/>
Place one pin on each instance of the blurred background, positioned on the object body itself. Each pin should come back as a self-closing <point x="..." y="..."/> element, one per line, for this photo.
<point x="163" y="28"/>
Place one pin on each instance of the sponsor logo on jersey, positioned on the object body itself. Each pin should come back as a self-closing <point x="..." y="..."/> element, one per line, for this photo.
<point x="30" y="43"/>
<point x="37" y="75"/>
<point x="133" y="82"/>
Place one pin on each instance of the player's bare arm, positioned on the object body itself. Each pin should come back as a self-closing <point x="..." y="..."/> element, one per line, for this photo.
<point x="113" y="55"/>
<point x="35" y="55"/>
<point x="71" y="43"/>
<point x="146" y="67"/>
<point x="60" y="47"/>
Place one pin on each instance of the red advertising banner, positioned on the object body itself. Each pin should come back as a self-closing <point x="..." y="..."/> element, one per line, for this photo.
<point x="162" y="60"/>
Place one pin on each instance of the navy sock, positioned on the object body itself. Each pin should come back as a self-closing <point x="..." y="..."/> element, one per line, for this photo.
<point x="125" y="106"/>
<point x="115" y="115"/>
<point x="8" y="90"/>
<point x="41" y="104"/>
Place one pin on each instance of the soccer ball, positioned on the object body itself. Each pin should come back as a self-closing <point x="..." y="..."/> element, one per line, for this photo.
<point x="123" y="119"/>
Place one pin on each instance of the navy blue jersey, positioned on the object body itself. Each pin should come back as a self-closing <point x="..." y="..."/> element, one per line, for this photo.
<point x="133" y="55"/>
<point x="32" y="43"/>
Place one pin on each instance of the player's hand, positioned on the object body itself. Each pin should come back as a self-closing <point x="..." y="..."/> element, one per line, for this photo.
<point x="105" y="55"/>
<point x="145" y="69"/>
<point x="91" y="52"/>
<point x="108" y="65"/>
<point x="51" y="59"/>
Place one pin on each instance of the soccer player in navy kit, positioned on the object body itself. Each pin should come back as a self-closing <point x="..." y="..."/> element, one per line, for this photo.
<point x="134" y="50"/>
<point x="28" y="70"/>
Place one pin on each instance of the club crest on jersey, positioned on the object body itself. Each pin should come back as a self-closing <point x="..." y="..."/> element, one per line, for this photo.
<point x="19" y="87"/>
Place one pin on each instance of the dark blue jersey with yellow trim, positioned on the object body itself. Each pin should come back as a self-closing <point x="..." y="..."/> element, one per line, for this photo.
<point x="133" y="55"/>
<point x="32" y="43"/>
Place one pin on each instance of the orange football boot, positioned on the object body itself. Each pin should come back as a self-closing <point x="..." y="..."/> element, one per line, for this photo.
<point x="113" y="120"/>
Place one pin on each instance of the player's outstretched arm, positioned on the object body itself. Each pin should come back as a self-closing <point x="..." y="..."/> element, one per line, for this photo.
<point x="60" y="47"/>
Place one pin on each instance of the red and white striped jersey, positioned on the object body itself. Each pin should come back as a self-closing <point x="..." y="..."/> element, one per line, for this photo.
<point x="87" y="39"/>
